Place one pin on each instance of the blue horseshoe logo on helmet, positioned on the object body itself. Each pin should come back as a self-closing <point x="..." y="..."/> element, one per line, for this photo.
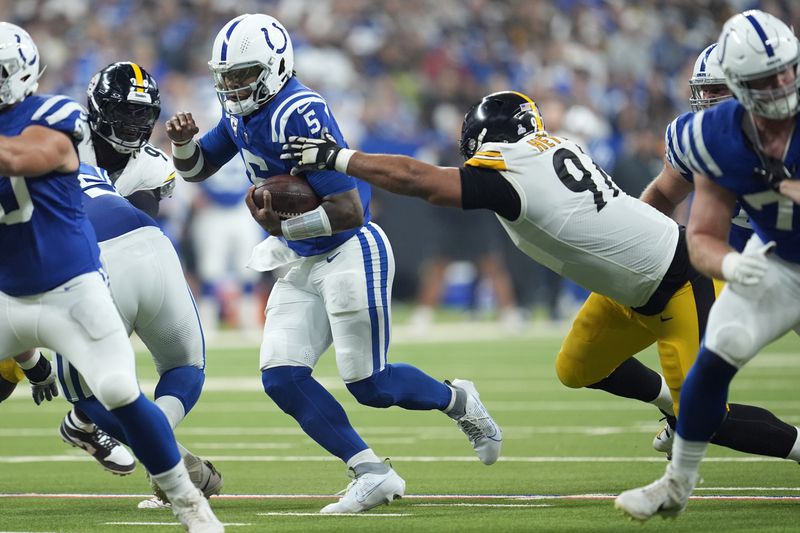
<point x="269" y="42"/>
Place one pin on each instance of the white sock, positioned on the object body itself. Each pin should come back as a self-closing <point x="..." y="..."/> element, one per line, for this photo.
<point x="664" y="399"/>
<point x="364" y="456"/>
<point x="173" y="409"/>
<point x="452" y="400"/>
<point x="794" y="455"/>
<point x="686" y="457"/>
<point x="174" y="482"/>
<point x="77" y="423"/>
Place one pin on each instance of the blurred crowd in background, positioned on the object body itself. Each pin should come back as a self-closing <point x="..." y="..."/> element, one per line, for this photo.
<point x="399" y="76"/>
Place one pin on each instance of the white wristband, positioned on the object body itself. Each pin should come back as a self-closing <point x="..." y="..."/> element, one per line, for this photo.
<point x="31" y="362"/>
<point x="184" y="151"/>
<point x="342" y="160"/>
<point x="312" y="224"/>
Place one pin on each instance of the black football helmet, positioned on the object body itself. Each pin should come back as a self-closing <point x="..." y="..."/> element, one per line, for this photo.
<point x="506" y="116"/>
<point x="124" y="105"/>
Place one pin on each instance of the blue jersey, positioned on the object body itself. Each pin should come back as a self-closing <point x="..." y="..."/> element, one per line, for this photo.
<point x="295" y="110"/>
<point x="111" y="215"/>
<point x="676" y="156"/>
<point x="717" y="147"/>
<point x="45" y="237"/>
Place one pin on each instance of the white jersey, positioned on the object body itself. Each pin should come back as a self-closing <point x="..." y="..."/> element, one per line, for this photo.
<point x="148" y="168"/>
<point x="575" y="221"/>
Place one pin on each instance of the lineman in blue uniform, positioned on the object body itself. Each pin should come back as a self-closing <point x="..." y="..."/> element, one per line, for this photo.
<point x="741" y="150"/>
<point x="339" y="286"/>
<point x="50" y="269"/>
<point x="151" y="294"/>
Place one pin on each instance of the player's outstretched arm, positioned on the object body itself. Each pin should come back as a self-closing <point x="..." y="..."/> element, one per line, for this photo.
<point x="396" y="173"/>
<point x="187" y="156"/>
<point x="667" y="190"/>
<point x="37" y="151"/>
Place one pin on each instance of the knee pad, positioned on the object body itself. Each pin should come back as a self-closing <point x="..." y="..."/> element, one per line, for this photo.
<point x="280" y="384"/>
<point x="372" y="391"/>
<point x="184" y="383"/>
<point x="734" y="344"/>
<point x="117" y="390"/>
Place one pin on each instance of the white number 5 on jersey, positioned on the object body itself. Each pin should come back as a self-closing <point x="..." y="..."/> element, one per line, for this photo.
<point x="16" y="206"/>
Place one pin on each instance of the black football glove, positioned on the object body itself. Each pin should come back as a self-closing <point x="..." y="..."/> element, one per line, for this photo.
<point x="311" y="154"/>
<point x="42" y="378"/>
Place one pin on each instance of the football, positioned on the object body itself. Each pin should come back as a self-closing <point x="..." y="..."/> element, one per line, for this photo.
<point x="291" y="195"/>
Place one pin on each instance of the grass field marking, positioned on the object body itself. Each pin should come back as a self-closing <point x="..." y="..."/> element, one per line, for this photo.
<point x="18" y="459"/>
<point x="521" y="505"/>
<point x="226" y="524"/>
<point x="351" y="515"/>
<point x="424" y="497"/>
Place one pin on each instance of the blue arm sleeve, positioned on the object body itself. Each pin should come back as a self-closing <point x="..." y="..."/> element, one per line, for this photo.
<point x="314" y="118"/>
<point x="217" y="145"/>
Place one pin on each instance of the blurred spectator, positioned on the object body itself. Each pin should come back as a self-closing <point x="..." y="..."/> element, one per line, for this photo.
<point x="608" y="72"/>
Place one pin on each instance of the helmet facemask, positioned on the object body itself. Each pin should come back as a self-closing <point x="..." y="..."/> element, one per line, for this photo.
<point x="127" y="126"/>
<point x="707" y="93"/>
<point x="242" y="89"/>
<point x="770" y="102"/>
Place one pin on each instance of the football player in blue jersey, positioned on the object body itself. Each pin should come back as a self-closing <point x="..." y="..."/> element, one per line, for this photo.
<point x="339" y="286"/>
<point x="740" y="150"/>
<point x="51" y="273"/>
<point x="667" y="190"/>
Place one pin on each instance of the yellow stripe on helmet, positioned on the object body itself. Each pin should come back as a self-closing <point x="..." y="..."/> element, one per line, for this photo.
<point x="137" y="73"/>
<point x="539" y="121"/>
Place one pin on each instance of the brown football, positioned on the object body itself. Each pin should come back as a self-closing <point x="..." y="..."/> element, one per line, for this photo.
<point x="291" y="195"/>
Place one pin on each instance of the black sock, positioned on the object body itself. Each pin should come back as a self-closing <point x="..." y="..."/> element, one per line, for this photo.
<point x="751" y="429"/>
<point x="631" y="379"/>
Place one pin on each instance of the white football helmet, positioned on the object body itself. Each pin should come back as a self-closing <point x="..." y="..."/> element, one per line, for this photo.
<point x="252" y="59"/>
<point x="754" y="45"/>
<point x="19" y="64"/>
<point x="708" y="81"/>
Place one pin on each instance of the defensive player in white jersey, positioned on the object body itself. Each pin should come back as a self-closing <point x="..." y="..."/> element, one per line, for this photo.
<point x="742" y="149"/>
<point x="338" y="290"/>
<point x="50" y="273"/>
<point x="565" y="212"/>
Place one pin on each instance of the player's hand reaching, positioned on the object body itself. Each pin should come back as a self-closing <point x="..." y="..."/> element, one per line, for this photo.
<point x="266" y="217"/>
<point x="42" y="378"/>
<point x="312" y="154"/>
<point x="181" y="128"/>
<point x="749" y="267"/>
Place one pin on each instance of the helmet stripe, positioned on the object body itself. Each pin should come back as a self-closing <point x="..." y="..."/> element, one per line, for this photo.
<point x="224" y="52"/>
<point x="705" y="57"/>
<point x="761" y="34"/>
<point x="137" y="73"/>
<point x="539" y="123"/>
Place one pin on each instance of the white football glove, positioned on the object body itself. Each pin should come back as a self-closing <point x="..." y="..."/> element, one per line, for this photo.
<point x="747" y="268"/>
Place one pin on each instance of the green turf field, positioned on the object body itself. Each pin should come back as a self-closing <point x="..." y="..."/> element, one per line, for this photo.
<point x="565" y="453"/>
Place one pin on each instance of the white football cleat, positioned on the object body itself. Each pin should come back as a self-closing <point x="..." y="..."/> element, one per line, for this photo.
<point x="666" y="496"/>
<point x="662" y="442"/>
<point x="104" y="448"/>
<point x="202" y="474"/>
<point x="366" y="491"/>
<point x="194" y="512"/>
<point x="478" y="425"/>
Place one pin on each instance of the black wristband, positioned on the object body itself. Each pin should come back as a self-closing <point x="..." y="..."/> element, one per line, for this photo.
<point x="40" y="372"/>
